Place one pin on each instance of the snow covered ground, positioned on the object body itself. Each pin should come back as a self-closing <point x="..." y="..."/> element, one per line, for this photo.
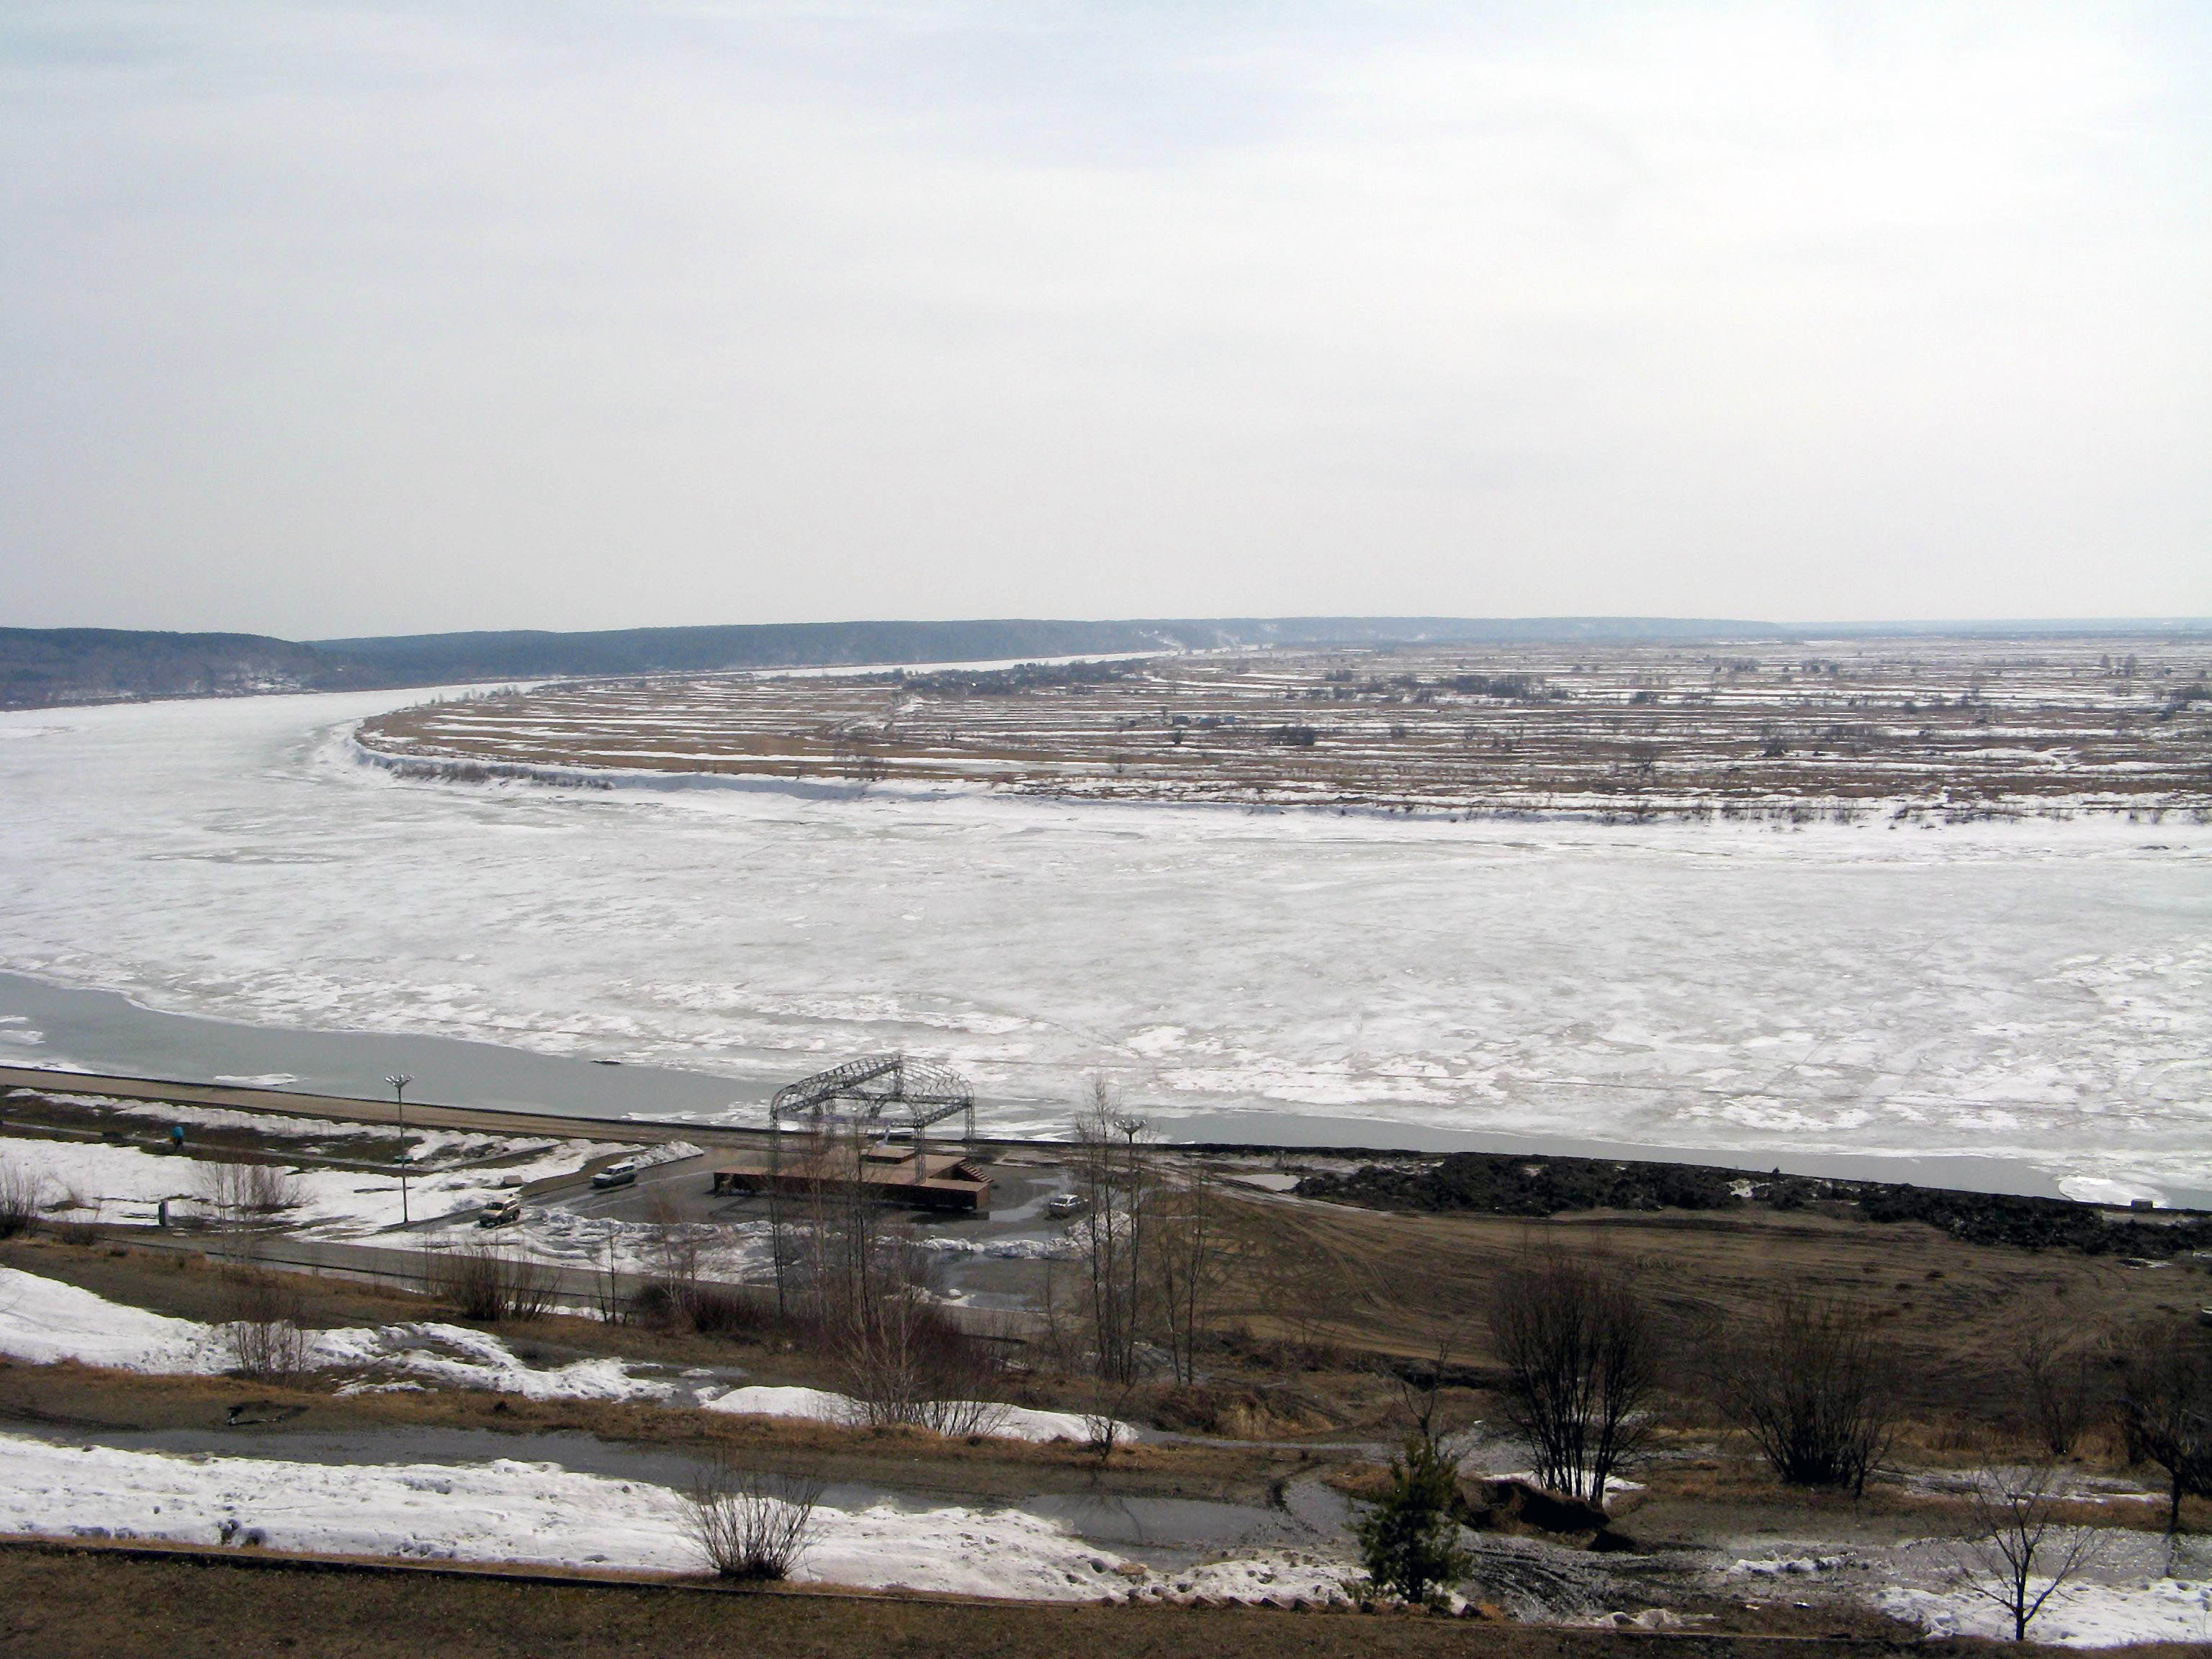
<point x="507" y="1510"/>
<point x="818" y="1405"/>
<point x="45" y="1321"/>
<point x="2138" y="1587"/>
<point x="2041" y="990"/>
<point x="2138" y="1590"/>
<point x="125" y="1184"/>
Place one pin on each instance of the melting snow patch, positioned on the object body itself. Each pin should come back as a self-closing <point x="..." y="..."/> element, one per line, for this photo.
<point x="510" y="1510"/>
<point x="2079" y="1616"/>
<point x="45" y="1321"/>
<point x="820" y="1406"/>
<point x="128" y="1184"/>
<point x="1777" y="1567"/>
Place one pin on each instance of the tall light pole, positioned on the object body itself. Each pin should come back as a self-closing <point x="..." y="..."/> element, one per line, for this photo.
<point x="399" y="1080"/>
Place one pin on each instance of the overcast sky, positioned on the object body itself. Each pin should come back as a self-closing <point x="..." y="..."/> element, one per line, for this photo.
<point x="361" y="318"/>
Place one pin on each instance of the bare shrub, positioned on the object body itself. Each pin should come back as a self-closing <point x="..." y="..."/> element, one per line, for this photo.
<point x="269" y="1187"/>
<point x="75" y="1218"/>
<point x="2056" y="1368"/>
<point x="22" y="1196"/>
<point x="751" y="1525"/>
<point x="1809" y="1384"/>
<point x="1582" y="1370"/>
<point x="242" y="1190"/>
<point x="905" y="1362"/>
<point x="493" y="1285"/>
<point x="261" y="1330"/>
<point x="716" y="1310"/>
<point x="2018" y="1555"/>
<point x="1105" y="1411"/>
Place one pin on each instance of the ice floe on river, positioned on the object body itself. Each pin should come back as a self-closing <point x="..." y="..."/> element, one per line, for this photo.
<point x="2041" y="991"/>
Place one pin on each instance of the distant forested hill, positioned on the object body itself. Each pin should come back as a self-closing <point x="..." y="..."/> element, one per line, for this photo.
<point x="425" y="658"/>
<point x="50" y="667"/>
<point x="46" y="667"/>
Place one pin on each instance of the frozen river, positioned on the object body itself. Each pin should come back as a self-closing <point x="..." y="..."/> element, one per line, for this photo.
<point x="2037" y="993"/>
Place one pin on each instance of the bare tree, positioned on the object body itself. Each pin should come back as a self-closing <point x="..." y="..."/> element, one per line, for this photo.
<point x="673" y="1245"/>
<point x="2166" y="1409"/>
<point x="1114" y="1173"/>
<point x="676" y="1255"/>
<point x="2019" y="1556"/>
<point x="1420" y="1395"/>
<point x="838" y="1253"/>
<point x="606" y="1284"/>
<point x="1188" y="1265"/>
<point x="1056" y="1341"/>
<point x="1581" y="1368"/>
<point x="1810" y="1384"/>
<point x="751" y="1525"/>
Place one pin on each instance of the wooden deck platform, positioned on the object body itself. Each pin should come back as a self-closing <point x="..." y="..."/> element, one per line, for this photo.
<point x="888" y="1175"/>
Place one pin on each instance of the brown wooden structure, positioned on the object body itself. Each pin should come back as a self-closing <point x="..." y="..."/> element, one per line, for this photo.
<point x="884" y="1174"/>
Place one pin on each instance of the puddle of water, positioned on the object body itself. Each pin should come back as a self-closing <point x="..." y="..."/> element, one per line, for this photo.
<point x="1197" y="1527"/>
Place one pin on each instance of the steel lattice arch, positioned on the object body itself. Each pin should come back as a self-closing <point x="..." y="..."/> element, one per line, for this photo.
<point x="912" y="1093"/>
<point x="876" y="1094"/>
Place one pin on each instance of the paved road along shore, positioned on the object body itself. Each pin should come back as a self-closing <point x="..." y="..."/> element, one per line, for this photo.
<point x="419" y="1114"/>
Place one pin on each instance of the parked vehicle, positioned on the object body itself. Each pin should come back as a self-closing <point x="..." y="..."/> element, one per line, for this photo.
<point x="616" y="1175"/>
<point x="1066" y="1204"/>
<point x="501" y="1212"/>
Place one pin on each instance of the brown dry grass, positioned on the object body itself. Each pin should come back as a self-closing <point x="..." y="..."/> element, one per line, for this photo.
<point x="1398" y="1284"/>
<point x="64" y="1603"/>
<point x="1619" y="727"/>
<point x="89" y="1397"/>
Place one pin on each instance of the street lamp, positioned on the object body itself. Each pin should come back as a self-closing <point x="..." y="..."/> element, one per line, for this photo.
<point x="399" y="1080"/>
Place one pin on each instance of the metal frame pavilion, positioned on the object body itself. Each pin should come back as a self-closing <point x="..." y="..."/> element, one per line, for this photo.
<point x="871" y="1087"/>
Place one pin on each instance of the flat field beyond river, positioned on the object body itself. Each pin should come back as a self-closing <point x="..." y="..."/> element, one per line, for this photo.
<point x="1957" y="725"/>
